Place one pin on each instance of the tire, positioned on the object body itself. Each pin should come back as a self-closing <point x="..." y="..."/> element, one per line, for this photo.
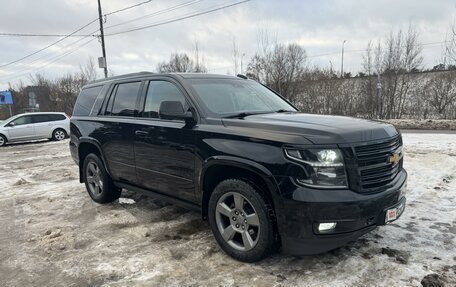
<point x="3" y="140"/>
<point x="237" y="210"/>
<point x="98" y="183"/>
<point x="59" y="134"/>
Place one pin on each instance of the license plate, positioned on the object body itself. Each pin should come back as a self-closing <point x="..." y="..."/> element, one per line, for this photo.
<point x="394" y="213"/>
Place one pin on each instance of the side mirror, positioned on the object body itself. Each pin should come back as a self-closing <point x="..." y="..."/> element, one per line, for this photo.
<point x="173" y="110"/>
<point x="11" y="124"/>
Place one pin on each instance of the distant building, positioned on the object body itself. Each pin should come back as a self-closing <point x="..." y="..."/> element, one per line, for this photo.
<point x="38" y="99"/>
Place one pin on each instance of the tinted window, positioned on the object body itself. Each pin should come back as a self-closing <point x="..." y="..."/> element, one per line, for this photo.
<point x="56" y="117"/>
<point x="159" y="91"/>
<point x="23" y="120"/>
<point x="125" y="99"/>
<point x="41" y="118"/>
<point x="85" y="101"/>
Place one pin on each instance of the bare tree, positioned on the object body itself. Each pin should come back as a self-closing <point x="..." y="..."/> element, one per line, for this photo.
<point x="440" y="91"/>
<point x="180" y="63"/>
<point x="394" y="59"/>
<point x="199" y="67"/>
<point x="450" y="45"/>
<point x="279" y="66"/>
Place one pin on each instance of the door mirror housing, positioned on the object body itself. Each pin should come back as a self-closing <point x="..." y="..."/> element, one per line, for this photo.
<point x="174" y="110"/>
<point x="11" y="124"/>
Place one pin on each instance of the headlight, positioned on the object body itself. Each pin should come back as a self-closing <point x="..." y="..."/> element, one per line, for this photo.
<point x="324" y="168"/>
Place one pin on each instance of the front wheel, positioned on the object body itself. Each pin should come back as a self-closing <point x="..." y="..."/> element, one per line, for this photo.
<point x="2" y="140"/>
<point x="97" y="181"/>
<point x="240" y="221"/>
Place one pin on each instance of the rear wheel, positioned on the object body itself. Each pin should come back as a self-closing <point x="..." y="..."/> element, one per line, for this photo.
<point x="98" y="183"/>
<point x="59" y="134"/>
<point x="241" y="221"/>
<point x="2" y="140"/>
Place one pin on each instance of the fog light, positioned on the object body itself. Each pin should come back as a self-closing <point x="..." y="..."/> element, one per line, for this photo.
<point x="326" y="226"/>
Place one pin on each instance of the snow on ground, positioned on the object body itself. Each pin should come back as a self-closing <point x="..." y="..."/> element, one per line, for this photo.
<point x="427" y="124"/>
<point x="52" y="234"/>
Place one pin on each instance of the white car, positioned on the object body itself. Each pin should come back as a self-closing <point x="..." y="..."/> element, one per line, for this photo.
<point x="33" y="126"/>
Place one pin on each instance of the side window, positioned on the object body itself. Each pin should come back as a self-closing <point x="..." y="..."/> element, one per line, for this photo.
<point x="85" y="101"/>
<point x="22" y="120"/>
<point x="55" y="117"/>
<point x="124" y="99"/>
<point x="159" y="91"/>
<point x="41" y="118"/>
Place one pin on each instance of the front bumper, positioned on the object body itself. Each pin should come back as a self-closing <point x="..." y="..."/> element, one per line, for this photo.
<point x="301" y="209"/>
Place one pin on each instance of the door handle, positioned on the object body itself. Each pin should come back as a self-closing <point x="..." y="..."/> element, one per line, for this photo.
<point x="141" y="133"/>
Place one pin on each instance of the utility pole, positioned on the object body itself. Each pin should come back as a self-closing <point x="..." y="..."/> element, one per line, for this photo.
<point x="102" y="63"/>
<point x="342" y="65"/>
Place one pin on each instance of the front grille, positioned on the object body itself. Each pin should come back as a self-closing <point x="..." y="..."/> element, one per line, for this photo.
<point x="374" y="169"/>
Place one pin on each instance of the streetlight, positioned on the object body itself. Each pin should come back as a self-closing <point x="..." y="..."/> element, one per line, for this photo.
<point x="342" y="65"/>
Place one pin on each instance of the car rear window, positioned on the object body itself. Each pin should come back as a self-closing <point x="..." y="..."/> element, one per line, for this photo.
<point x="85" y="101"/>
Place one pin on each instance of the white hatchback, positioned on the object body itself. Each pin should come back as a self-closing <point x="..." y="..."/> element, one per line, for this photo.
<point x="33" y="126"/>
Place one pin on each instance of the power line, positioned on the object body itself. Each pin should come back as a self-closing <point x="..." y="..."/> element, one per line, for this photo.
<point x="177" y="19"/>
<point x="51" y="61"/>
<point x="72" y="34"/>
<point x="127" y="8"/>
<point x="41" y="35"/>
<point x="48" y="46"/>
<point x="60" y="48"/>
<point x="365" y="50"/>
<point x="169" y="9"/>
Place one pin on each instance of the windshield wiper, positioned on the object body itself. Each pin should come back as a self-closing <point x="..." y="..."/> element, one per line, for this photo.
<point x="284" y="111"/>
<point x="244" y="114"/>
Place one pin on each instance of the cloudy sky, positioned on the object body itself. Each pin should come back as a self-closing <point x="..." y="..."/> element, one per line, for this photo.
<point x="319" y="26"/>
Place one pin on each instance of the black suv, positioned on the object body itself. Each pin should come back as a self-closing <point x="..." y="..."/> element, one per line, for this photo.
<point x="263" y="174"/>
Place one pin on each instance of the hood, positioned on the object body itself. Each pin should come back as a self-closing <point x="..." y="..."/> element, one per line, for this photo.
<point x="318" y="129"/>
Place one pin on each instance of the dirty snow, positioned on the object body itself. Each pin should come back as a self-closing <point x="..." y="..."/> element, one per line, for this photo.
<point x="52" y="234"/>
<point x="428" y="124"/>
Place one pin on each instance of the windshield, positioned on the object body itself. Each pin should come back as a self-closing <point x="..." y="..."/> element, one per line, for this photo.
<point x="5" y="121"/>
<point x="228" y="97"/>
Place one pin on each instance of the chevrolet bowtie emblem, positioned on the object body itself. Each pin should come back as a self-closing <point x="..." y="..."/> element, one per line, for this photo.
<point x="394" y="158"/>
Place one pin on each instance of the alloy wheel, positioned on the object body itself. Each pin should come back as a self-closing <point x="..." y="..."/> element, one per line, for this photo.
<point x="237" y="221"/>
<point x="94" y="178"/>
<point x="59" y="135"/>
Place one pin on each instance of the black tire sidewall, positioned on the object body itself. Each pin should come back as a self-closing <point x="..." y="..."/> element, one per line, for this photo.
<point x="56" y="130"/>
<point x="109" y="192"/>
<point x="265" y="242"/>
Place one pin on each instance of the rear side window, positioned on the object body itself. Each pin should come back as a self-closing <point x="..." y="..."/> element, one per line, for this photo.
<point x="86" y="100"/>
<point x="53" y="118"/>
<point x="123" y="100"/>
<point x="41" y="118"/>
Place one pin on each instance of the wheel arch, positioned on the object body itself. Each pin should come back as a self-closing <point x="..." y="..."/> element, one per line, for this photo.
<point x="87" y="146"/>
<point x="217" y="169"/>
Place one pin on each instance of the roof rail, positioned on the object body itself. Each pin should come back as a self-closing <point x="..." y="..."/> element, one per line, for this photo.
<point x="242" y="76"/>
<point x="144" y="73"/>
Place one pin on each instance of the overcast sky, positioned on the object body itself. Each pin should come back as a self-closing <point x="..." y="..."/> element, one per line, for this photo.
<point x="319" y="26"/>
